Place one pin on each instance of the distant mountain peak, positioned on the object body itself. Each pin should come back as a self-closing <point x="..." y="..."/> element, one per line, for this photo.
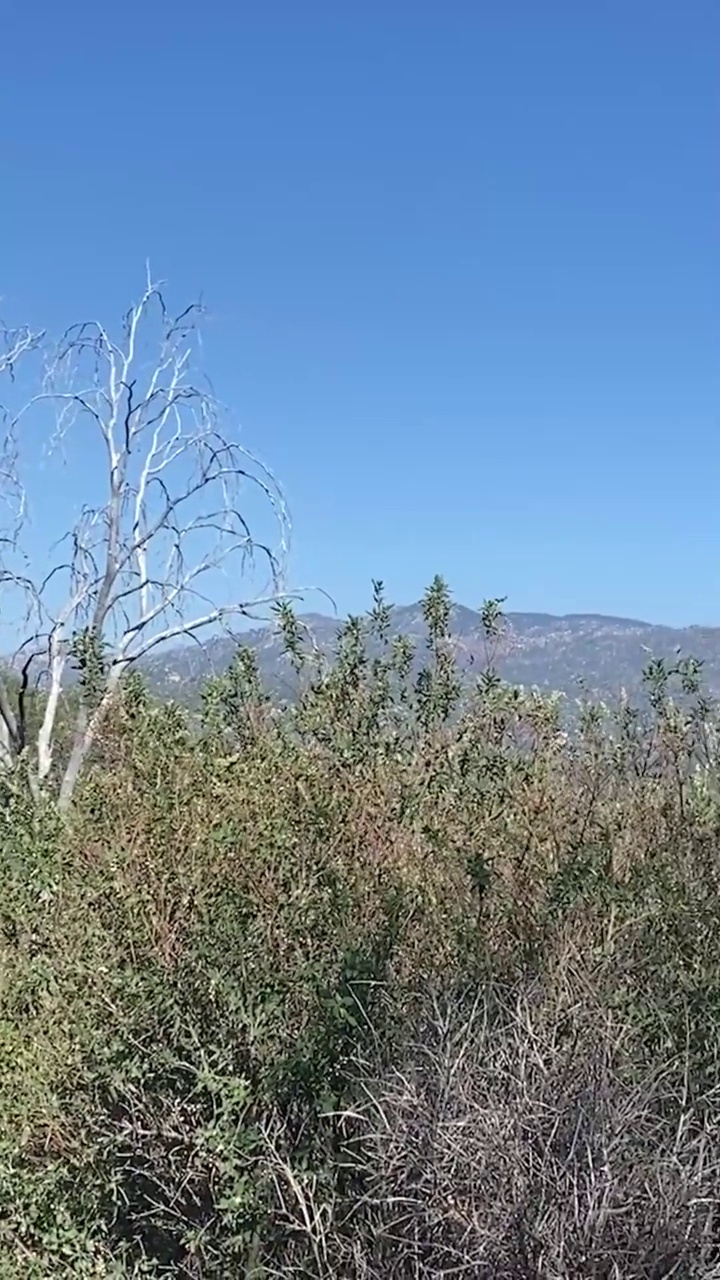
<point x="552" y="651"/>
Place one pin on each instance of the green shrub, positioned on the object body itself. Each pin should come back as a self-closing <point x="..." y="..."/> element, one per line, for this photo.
<point x="402" y="979"/>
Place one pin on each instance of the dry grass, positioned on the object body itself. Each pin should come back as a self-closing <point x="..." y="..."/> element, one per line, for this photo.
<point x="513" y="1142"/>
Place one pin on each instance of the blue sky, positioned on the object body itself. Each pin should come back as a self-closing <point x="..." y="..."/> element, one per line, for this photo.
<point x="462" y="260"/>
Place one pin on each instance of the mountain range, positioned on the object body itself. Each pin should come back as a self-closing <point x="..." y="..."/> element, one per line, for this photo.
<point x="601" y="654"/>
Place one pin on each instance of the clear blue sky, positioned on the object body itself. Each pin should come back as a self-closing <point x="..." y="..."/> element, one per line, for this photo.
<point x="463" y="263"/>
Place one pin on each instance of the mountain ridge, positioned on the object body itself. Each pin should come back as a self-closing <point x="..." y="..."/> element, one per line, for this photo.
<point x="602" y="653"/>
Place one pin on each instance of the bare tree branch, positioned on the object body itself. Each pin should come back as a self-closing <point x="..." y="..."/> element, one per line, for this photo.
<point x="170" y="528"/>
<point x="15" y="344"/>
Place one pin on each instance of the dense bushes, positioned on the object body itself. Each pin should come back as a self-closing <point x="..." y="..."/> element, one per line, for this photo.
<point x="399" y="982"/>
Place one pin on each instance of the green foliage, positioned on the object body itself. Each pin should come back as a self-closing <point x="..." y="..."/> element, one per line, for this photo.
<point x="220" y="1046"/>
<point x="88" y="652"/>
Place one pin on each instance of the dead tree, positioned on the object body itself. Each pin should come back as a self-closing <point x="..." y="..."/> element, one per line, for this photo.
<point x="15" y="344"/>
<point x="163" y="543"/>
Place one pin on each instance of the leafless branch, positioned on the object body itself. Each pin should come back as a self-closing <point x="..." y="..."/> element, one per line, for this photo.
<point x="15" y="344"/>
<point x="163" y="552"/>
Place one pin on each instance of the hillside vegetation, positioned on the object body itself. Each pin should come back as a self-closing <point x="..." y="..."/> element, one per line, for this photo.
<point x="402" y="981"/>
<point x="597" y="654"/>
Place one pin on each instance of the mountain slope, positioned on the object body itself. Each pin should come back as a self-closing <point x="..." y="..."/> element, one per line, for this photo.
<point x="605" y="653"/>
